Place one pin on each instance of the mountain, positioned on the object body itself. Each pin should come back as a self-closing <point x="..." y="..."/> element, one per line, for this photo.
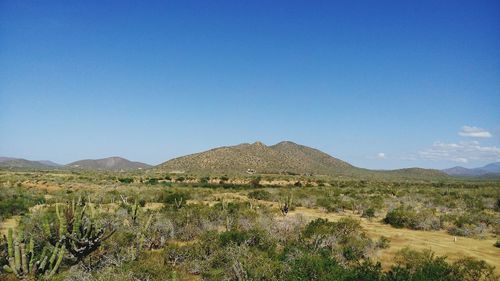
<point x="282" y="158"/>
<point x="460" y="171"/>
<point x="49" y="163"/>
<point x="489" y="170"/>
<point x="9" y="162"/>
<point x="110" y="164"/>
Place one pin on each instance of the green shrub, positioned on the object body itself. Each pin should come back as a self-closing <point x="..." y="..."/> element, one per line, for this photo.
<point x="260" y="194"/>
<point x="369" y="213"/>
<point x="175" y="198"/>
<point x="126" y="180"/>
<point x="409" y="218"/>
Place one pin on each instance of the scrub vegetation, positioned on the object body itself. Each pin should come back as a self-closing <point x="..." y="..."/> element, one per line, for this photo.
<point x="84" y="225"/>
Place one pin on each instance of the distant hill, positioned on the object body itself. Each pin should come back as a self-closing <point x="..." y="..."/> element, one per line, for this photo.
<point x="109" y="164"/>
<point x="490" y="170"/>
<point x="9" y="162"/>
<point x="282" y="158"/>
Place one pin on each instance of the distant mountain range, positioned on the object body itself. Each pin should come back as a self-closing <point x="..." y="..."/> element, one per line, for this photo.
<point x="23" y="163"/>
<point x="109" y="164"/>
<point x="257" y="158"/>
<point x="492" y="169"/>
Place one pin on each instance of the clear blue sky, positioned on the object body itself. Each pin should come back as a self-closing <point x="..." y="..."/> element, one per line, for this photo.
<point x="380" y="84"/>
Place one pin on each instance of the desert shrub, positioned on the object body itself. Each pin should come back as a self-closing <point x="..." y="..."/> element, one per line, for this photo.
<point x="142" y="202"/>
<point x="260" y="194"/>
<point x="204" y="180"/>
<point x="497" y="244"/>
<point x="126" y="180"/>
<point x="152" y="181"/>
<point x="252" y="238"/>
<point x="174" y="254"/>
<point x="469" y="269"/>
<point x="326" y="203"/>
<point x="405" y="216"/>
<point x="400" y="217"/>
<point x="383" y="242"/>
<point x="344" y="238"/>
<point x="421" y="266"/>
<point x="16" y="201"/>
<point x="174" y="198"/>
<point x="149" y="266"/>
<point x="315" y="267"/>
<point x="235" y="237"/>
<point x="468" y="230"/>
<point x="255" y="182"/>
<point x="369" y="213"/>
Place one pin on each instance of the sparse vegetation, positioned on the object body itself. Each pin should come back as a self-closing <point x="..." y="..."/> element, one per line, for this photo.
<point x="237" y="230"/>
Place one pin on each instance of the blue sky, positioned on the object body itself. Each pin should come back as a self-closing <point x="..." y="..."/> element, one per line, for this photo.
<point x="380" y="84"/>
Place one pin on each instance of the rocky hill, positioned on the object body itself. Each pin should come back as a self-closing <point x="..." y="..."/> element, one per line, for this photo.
<point x="110" y="163"/>
<point x="282" y="158"/>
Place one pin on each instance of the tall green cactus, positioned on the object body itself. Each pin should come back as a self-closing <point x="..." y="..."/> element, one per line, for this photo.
<point x="78" y="232"/>
<point x="287" y="205"/>
<point x="63" y="228"/>
<point x="23" y="262"/>
<point x="135" y="211"/>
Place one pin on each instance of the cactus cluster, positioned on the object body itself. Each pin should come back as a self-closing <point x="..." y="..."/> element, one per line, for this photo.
<point x="22" y="260"/>
<point x="286" y="205"/>
<point x="135" y="211"/>
<point x="141" y="230"/>
<point x="78" y="231"/>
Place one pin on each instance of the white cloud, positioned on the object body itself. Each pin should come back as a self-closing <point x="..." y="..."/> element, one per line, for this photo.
<point x="461" y="160"/>
<point x="462" y="152"/>
<point x="474" y="132"/>
<point x="381" y="155"/>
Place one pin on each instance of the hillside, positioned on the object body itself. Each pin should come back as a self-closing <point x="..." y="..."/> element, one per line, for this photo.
<point x="282" y="158"/>
<point x="109" y="164"/>
<point x="19" y="163"/>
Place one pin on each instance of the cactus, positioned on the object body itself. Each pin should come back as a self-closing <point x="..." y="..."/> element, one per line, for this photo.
<point x="80" y="234"/>
<point x="141" y="235"/>
<point x="178" y="204"/>
<point x="10" y="243"/>
<point x="287" y="205"/>
<point x="135" y="211"/>
<point x="62" y="222"/>
<point x="24" y="264"/>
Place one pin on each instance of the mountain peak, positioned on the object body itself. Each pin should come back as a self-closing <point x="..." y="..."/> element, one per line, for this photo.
<point x="114" y="163"/>
<point x="286" y="143"/>
<point x="258" y="143"/>
<point x="284" y="157"/>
